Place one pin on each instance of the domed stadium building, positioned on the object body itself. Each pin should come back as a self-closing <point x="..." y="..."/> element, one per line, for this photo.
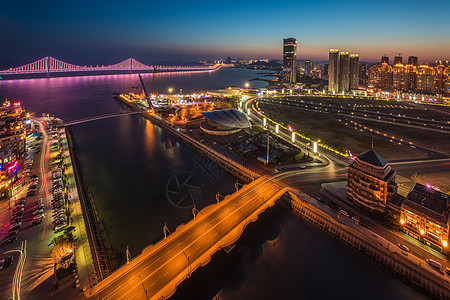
<point x="224" y="122"/>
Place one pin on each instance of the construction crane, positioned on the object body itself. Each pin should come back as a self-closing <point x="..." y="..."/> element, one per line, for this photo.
<point x="147" y="96"/>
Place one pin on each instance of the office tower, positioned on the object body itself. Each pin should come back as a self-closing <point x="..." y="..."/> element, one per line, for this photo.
<point x="354" y="71"/>
<point x="413" y="60"/>
<point x="364" y="74"/>
<point x="344" y="72"/>
<point x="385" y="59"/>
<point x="325" y="72"/>
<point x="308" y="67"/>
<point x="333" y="70"/>
<point x="398" y="60"/>
<point x="289" y="60"/>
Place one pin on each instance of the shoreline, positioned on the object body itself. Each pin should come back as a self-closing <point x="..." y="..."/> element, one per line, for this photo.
<point x="99" y="253"/>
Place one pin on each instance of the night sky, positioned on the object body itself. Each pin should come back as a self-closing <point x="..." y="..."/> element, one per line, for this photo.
<point x="108" y="31"/>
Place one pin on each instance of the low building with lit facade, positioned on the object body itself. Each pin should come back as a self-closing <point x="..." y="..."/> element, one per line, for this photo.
<point x="425" y="216"/>
<point x="371" y="182"/>
<point x="8" y="172"/>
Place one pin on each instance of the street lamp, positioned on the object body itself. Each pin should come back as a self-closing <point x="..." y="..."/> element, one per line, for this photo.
<point x="247" y="85"/>
<point x="170" y="92"/>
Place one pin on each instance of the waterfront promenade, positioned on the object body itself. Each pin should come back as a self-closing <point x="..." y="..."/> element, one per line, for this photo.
<point x="161" y="267"/>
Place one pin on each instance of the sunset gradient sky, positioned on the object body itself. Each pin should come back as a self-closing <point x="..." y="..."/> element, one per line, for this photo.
<point x="107" y="31"/>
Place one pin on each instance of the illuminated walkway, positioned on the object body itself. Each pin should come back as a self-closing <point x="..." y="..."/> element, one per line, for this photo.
<point x="161" y="267"/>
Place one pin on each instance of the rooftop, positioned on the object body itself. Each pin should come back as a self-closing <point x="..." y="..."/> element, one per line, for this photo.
<point x="428" y="201"/>
<point x="373" y="158"/>
<point x="228" y="118"/>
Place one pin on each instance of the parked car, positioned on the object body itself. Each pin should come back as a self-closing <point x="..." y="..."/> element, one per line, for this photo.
<point x="37" y="212"/>
<point x="8" y="240"/>
<point x="12" y="232"/>
<point x="36" y="222"/>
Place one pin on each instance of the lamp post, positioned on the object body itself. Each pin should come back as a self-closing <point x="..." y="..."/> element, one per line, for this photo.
<point x="247" y="85"/>
<point x="170" y="92"/>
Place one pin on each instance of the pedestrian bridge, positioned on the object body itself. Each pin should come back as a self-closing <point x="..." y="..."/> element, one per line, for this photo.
<point x="157" y="271"/>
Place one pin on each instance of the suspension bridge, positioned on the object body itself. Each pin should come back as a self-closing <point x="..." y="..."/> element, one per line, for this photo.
<point x="48" y="65"/>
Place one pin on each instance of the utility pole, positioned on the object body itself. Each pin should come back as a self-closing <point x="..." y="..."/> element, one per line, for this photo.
<point x="145" y="291"/>
<point x="128" y="255"/>
<point x="268" y="134"/>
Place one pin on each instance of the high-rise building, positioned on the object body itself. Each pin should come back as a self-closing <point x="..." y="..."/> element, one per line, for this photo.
<point x="380" y="76"/>
<point x="385" y="59"/>
<point x="425" y="79"/>
<point x="333" y="70"/>
<point x="354" y="71"/>
<point x="400" y="77"/>
<point x="325" y="72"/>
<point x="344" y="72"/>
<point x="289" y="60"/>
<point x="412" y="77"/>
<point x="364" y="74"/>
<point x="447" y="80"/>
<point x="439" y="79"/>
<point x="398" y="60"/>
<point x="413" y="60"/>
<point x="308" y="67"/>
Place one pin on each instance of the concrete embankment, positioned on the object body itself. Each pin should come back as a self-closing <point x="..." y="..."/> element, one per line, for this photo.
<point x="97" y="247"/>
<point x="417" y="275"/>
<point x="240" y="171"/>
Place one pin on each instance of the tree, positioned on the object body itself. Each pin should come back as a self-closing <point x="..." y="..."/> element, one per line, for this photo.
<point x="61" y="249"/>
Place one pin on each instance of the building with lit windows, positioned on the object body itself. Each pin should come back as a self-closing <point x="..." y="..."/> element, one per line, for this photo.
<point x="425" y="79"/>
<point x="8" y="171"/>
<point x="333" y="71"/>
<point x="354" y="71"/>
<point x="425" y="216"/>
<point x="400" y="77"/>
<point x="380" y="76"/>
<point x="412" y="77"/>
<point x="289" y="61"/>
<point x="344" y="72"/>
<point x="13" y="127"/>
<point x="371" y="182"/>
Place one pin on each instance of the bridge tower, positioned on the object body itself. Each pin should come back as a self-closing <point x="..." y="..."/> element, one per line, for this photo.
<point x="47" y="65"/>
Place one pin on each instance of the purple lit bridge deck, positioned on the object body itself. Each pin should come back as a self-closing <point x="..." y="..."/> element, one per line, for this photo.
<point x="51" y="66"/>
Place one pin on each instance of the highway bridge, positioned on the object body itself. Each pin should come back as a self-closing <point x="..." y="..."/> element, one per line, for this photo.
<point x="51" y="66"/>
<point x="157" y="271"/>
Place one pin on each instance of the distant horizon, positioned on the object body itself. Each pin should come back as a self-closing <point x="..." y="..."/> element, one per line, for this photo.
<point x="106" y="61"/>
<point x="103" y="32"/>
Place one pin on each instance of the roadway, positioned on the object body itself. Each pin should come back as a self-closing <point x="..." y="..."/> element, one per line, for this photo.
<point x="162" y="266"/>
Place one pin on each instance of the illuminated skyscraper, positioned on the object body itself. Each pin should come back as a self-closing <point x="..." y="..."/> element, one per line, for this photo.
<point x="308" y="67"/>
<point x="344" y="72"/>
<point x="333" y="70"/>
<point x="289" y="60"/>
<point x="354" y="71"/>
